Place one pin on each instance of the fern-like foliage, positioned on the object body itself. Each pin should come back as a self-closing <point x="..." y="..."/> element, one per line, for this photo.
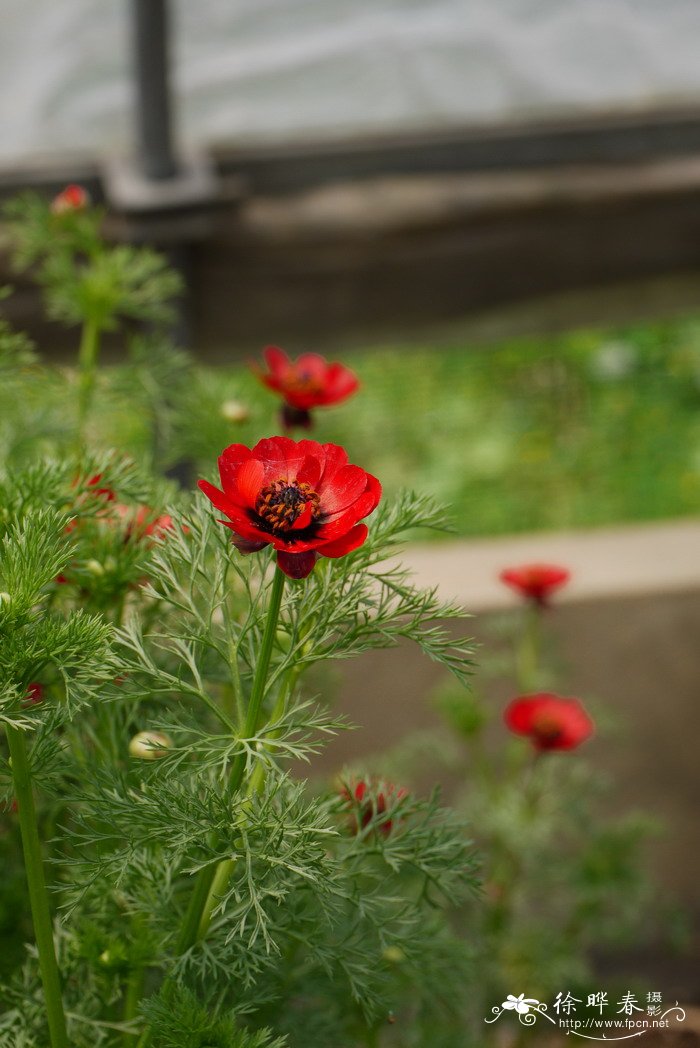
<point x="179" y="1020"/>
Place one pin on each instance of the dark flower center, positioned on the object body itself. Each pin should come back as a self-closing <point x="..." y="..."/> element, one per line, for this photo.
<point x="546" y="727"/>
<point x="303" y="382"/>
<point x="281" y="503"/>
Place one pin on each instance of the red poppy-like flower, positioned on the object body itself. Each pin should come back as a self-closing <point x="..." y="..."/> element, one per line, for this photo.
<point x="72" y="198"/>
<point x="308" y="382"/>
<point x="372" y="801"/>
<point x="303" y="498"/>
<point x="536" y="582"/>
<point x="550" y="722"/>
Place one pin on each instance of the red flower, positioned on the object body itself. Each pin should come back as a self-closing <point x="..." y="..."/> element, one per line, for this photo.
<point x="92" y="491"/>
<point x="303" y="498"/>
<point x="308" y="382"/>
<point x="373" y="802"/>
<point x="140" y="522"/>
<point x="72" y="198"/>
<point x="35" y="694"/>
<point x="550" y="722"/>
<point x="536" y="581"/>
<point x="106" y="493"/>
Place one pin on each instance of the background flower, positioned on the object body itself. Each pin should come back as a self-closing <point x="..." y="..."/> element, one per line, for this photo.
<point x="550" y="722"/>
<point x="308" y="382"/>
<point x="536" y="582"/>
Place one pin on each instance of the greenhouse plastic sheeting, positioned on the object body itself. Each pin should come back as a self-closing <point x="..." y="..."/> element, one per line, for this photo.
<point x="266" y="69"/>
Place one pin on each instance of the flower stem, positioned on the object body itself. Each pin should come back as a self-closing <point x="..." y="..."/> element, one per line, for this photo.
<point x="211" y="880"/>
<point x="528" y="654"/>
<point x="134" y="990"/>
<point x="261" y="670"/>
<point x="36" y="883"/>
<point x="223" y="870"/>
<point x="87" y="365"/>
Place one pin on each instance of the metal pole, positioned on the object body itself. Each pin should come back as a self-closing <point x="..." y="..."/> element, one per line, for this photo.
<point x="155" y="155"/>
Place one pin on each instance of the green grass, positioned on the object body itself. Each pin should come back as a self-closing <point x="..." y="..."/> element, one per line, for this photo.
<point x="586" y="429"/>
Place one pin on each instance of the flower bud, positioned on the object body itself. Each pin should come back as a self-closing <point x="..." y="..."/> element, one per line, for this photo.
<point x="150" y="745"/>
<point x="234" y="411"/>
<point x="72" y="198"/>
<point x="94" y="567"/>
<point x="35" y="694"/>
<point x="5" y="598"/>
<point x="393" y="955"/>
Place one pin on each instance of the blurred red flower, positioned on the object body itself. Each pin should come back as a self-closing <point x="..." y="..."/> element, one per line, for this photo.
<point x="303" y="498"/>
<point x="143" y="522"/>
<point x="308" y="382"/>
<point x="35" y="694"/>
<point x="372" y="801"/>
<point x="536" y="581"/>
<point x="90" y="490"/>
<point x="72" y="198"/>
<point x="105" y="492"/>
<point x="549" y="721"/>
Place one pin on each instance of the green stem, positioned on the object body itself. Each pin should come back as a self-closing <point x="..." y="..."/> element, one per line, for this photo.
<point x="36" y="883"/>
<point x="198" y="900"/>
<point x="134" y="990"/>
<point x="260" y="679"/>
<point x="225" y="867"/>
<point x="87" y="365"/>
<point x="211" y="881"/>
<point x="219" y="883"/>
<point x="528" y="655"/>
<point x="237" y="709"/>
<point x="372" y="1037"/>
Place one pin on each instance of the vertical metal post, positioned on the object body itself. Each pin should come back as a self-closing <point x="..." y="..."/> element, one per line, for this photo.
<point x="155" y="154"/>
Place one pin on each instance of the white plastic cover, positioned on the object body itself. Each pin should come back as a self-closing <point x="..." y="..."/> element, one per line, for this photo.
<point x="270" y="69"/>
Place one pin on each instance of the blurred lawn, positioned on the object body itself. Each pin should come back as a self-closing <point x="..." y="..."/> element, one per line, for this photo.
<point x="584" y="429"/>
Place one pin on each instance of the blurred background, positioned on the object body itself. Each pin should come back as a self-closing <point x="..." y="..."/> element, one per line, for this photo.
<point x="491" y="210"/>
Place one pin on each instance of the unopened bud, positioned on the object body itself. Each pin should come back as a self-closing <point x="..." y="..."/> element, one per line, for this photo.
<point x="94" y="567"/>
<point x="150" y="745"/>
<point x="5" y="598"/>
<point x="72" y="198"/>
<point x="394" y="955"/>
<point x="234" y="411"/>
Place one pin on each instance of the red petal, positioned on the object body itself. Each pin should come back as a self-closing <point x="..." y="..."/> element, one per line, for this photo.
<point x="244" y="545"/>
<point x="340" y="383"/>
<point x="281" y="456"/>
<point x="249" y="481"/>
<point x="335" y="458"/>
<point x="296" y="565"/>
<point x="362" y="507"/>
<point x="276" y="359"/>
<point x="304" y="518"/>
<point x="230" y="461"/>
<point x="313" y="365"/>
<point x="217" y="498"/>
<point x="345" y="488"/>
<point x="310" y="471"/>
<point x="354" y="538"/>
